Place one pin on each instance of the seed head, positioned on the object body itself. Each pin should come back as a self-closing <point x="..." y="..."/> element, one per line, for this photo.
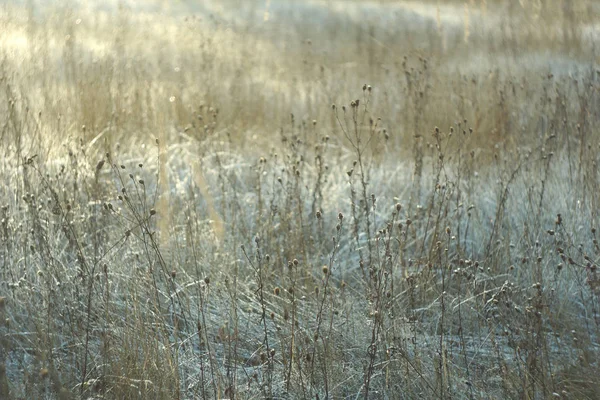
<point x="99" y="165"/>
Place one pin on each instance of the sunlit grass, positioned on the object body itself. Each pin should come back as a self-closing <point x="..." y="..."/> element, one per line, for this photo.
<point x="345" y="199"/>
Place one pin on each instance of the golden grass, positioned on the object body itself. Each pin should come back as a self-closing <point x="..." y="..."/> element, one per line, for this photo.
<point x="253" y="199"/>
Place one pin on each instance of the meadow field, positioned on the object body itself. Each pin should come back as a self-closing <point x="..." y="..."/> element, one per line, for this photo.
<point x="299" y="199"/>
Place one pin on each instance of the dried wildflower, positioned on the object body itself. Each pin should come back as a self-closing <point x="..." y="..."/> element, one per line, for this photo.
<point x="276" y="291"/>
<point x="99" y="165"/>
<point x="325" y="269"/>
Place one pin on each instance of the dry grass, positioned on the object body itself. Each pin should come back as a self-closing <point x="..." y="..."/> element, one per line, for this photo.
<point x="212" y="203"/>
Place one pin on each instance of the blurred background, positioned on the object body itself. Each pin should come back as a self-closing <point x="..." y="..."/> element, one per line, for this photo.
<point x="430" y="62"/>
